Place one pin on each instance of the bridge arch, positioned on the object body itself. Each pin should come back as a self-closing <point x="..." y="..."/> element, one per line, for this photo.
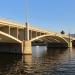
<point x="4" y="37"/>
<point x="48" y="35"/>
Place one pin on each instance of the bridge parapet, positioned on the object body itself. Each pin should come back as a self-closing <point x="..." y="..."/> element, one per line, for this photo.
<point x="17" y="30"/>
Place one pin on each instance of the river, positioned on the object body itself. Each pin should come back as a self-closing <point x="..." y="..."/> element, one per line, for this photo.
<point x="41" y="62"/>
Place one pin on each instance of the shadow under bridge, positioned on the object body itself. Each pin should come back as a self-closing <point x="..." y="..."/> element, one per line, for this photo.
<point x="9" y="43"/>
<point x="51" y="41"/>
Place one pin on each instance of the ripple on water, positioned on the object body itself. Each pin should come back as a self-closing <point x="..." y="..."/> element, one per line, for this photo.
<point x="54" y="62"/>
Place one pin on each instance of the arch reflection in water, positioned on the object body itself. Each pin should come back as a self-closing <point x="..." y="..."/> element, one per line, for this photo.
<point x="38" y="51"/>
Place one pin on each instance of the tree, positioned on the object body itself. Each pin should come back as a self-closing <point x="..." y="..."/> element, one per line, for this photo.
<point x="62" y="32"/>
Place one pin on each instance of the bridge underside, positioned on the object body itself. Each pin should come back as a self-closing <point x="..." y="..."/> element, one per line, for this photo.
<point x="10" y="47"/>
<point x="51" y="41"/>
<point x="73" y="43"/>
<point x="9" y="43"/>
<point x="4" y="37"/>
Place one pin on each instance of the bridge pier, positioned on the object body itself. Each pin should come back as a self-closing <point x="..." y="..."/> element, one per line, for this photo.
<point x="70" y="44"/>
<point x="27" y="47"/>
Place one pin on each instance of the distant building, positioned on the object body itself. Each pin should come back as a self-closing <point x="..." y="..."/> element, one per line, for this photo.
<point x="73" y="35"/>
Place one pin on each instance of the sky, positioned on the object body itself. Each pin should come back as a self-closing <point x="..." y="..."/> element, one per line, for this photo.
<point x="51" y="15"/>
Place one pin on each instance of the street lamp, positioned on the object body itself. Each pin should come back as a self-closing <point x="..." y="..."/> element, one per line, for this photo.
<point x="26" y="18"/>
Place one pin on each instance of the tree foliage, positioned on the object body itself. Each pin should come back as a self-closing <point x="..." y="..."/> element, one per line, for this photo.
<point x="62" y="32"/>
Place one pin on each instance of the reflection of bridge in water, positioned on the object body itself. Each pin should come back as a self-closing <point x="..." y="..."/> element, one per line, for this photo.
<point x="14" y="37"/>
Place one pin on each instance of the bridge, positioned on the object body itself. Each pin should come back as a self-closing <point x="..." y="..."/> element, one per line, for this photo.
<point x="19" y="37"/>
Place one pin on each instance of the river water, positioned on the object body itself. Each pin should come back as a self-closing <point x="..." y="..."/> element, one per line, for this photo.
<point x="41" y="62"/>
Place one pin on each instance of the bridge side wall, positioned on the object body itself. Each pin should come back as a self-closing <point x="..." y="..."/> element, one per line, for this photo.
<point x="13" y="32"/>
<point x="21" y="34"/>
<point x="38" y="33"/>
<point x="30" y="34"/>
<point x="5" y="29"/>
<point x="34" y="34"/>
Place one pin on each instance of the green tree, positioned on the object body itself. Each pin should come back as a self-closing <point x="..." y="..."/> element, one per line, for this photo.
<point x="62" y="32"/>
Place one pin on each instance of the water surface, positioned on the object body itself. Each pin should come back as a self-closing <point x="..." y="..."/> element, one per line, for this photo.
<point x="41" y="62"/>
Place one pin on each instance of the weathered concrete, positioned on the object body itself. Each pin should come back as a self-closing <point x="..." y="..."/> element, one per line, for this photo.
<point x="21" y="36"/>
<point x="5" y="29"/>
<point x="14" y="32"/>
<point x="70" y="44"/>
<point x="34" y="34"/>
<point x="27" y="47"/>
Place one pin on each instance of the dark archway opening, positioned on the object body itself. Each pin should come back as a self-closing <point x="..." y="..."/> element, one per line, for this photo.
<point x="73" y="43"/>
<point x="10" y="48"/>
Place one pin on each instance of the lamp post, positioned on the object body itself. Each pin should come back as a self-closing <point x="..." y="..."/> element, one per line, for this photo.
<point x="27" y="48"/>
<point x="69" y="39"/>
<point x="26" y="18"/>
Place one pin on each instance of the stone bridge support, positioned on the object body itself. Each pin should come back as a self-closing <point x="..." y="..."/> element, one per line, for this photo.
<point x="27" y="47"/>
<point x="70" y="44"/>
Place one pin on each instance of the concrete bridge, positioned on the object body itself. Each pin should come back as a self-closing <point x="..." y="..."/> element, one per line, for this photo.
<point x="19" y="37"/>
